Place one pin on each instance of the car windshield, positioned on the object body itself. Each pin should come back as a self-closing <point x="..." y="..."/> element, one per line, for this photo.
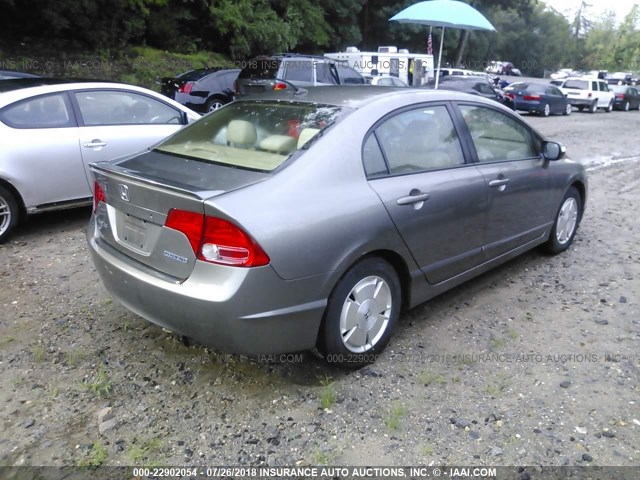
<point x="256" y="135"/>
<point x="576" y="84"/>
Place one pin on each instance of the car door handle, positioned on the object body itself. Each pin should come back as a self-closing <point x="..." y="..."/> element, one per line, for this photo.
<point x="500" y="182"/>
<point x="411" y="199"/>
<point x="94" y="144"/>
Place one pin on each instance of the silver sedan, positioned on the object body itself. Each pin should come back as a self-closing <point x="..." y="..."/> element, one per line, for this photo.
<point x="312" y="219"/>
<point x="51" y="132"/>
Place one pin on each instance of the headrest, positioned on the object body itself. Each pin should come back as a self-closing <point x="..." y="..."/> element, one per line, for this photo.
<point x="306" y="134"/>
<point x="283" y="144"/>
<point x="241" y="132"/>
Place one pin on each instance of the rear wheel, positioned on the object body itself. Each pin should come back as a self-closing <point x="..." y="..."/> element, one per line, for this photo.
<point x="546" y="111"/>
<point x="568" y="109"/>
<point x="593" y="107"/>
<point x="610" y="107"/>
<point x="566" y="222"/>
<point x="9" y="213"/>
<point x="580" y="108"/>
<point x="625" y="107"/>
<point x="361" y="313"/>
<point x="214" y="104"/>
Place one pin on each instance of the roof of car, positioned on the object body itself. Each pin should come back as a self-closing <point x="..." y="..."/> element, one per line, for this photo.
<point x="353" y="96"/>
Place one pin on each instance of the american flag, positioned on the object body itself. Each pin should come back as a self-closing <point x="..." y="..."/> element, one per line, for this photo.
<point x="429" y="43"/>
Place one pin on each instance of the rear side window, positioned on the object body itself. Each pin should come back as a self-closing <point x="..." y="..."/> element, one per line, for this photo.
<point x="325" y="74"/>
<point x="496" y="136"/>
<point x="420" y="140"/>
<point x="46" y="111"/>
<point x="111" y="107"/>
<point x="372" y="158"/>
<point x="298" y="70"/>
<point x="576" y="84"/>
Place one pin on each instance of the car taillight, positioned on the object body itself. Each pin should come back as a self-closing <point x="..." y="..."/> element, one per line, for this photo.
<point x="98" y="196"/>
<point x="186" y="87"/>
<point x="531" y="97"/>
<point x="589" y="95"/>
<point x="620" y="96"/>
<point x="235" y="87"/>
<point x="510" y="95"/>
<point x="216" y="240"/>
<point x="279" y="86"/>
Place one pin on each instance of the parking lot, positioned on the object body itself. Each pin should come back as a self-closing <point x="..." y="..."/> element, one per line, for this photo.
<point x="534" y="363"/>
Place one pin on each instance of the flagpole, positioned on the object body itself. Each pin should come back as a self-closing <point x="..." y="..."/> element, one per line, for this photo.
<point x="439" y="58"/>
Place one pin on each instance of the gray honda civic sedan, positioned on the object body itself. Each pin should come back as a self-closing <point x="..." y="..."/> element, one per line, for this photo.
<point x="311" y="219"/>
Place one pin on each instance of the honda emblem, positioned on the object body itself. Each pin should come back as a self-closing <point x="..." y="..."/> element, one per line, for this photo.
<point x="124" y="192"/>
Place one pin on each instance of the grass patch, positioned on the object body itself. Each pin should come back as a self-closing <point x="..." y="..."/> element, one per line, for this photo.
<point x="141" y="452"/>
<point x="101" y="384"/>
<point x="318" y="457"/>
<point x="53" y="391"/>
<point x="75" y="357"/>
<point x="39" y="353"/>
<point x="427" y="378"/>
<point x="498" y="343"/>
<point x="497" y="388"/>
<point x="512" y="334"/>
<point x="392" y="421"/>
<point x="327" y="394"/>
<point x="6" y="340"/>
<point x="427" y="450"/>
<point x="96" y="456"/>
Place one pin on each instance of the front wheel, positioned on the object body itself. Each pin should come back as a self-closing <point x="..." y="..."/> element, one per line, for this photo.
<point x="9" y="213"/>
<point x="566" y="222"/>
<point x="361" y="313"/>
<point x="609" y="107"/>
<point x="593" y="107"/>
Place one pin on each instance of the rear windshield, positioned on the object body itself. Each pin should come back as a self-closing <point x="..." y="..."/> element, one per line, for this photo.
<point x="577" y="84"/>
<point x="255" y="135"/>
<point x="261" y="69"/>
<point x="194" y="75"/>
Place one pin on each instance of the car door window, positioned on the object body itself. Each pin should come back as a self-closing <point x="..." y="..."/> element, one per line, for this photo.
<point x="46" y="111"/>
<point x="323" y="74"/>
<point x="298" y="70"/>
<point x="113" y="107"/>
<point x="419" y="140"/>
<point x="497" y="136"/>
<point x="484" y="89"/>
<point x="594" y="86"/>
<point x="385" y="82"/>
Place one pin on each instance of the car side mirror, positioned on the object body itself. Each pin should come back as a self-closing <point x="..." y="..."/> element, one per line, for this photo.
<point x="553" y="150"/>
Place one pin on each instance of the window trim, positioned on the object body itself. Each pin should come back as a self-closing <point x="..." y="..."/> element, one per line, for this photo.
<point x="372" y="131"/>
<point x="535" y="136"/>
<point x="80" y="118"/>
<point x="68" y="101"/>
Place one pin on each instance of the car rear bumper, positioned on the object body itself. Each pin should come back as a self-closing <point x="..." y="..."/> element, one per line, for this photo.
<point x="237" y="310"/>
<point x="576" y="102"/>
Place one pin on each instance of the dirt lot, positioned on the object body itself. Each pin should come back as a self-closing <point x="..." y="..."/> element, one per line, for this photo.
<point x="535" y="363"/>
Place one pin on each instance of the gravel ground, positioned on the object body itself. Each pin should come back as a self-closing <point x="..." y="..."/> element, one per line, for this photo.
<point x="534" y="363"/>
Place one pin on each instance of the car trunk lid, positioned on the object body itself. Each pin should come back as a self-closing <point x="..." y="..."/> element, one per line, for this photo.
<point x="132" y="218"/>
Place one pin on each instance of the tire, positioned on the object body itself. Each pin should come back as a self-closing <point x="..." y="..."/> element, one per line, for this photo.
<point x="566" y="222"/>
<point x="546" y="111"/>
<point x="610" y="107"/>
<point x="625" y="107"/>
<point x="9" y="213"/>
<point x="580" y="108"/>
<point x="214" y="104"/>
<point x="365" y="303"/>
<point x="568" y="109"/>
<point x="593" y="107"/>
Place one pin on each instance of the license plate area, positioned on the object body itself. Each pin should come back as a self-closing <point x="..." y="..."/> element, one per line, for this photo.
<point x="132" y="232"/>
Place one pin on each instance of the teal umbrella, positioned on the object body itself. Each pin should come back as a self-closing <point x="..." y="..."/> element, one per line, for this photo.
<point x="444" y="13"/>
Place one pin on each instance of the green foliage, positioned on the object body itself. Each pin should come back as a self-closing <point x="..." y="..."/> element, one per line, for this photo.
<point x="398" y="411"/>
<point x="101" y="384"/>
<point x="96" y="456"/>
<point x="327" y="394"/>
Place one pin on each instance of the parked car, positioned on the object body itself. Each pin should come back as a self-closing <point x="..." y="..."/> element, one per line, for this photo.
<point x="587" y="92"/>
<point x="267" y="73"/>
<point x="502" y="68"/>
<point x="203" y="90"/>
<point x="626" y="98"/>
<point x="622" y="78"/>
<point x="311" y="219"/>
<point x="475" y="86"/>
<point x="385" y="81"/>
<point x="11" y="74"/>
<point x="538" y="98"/>
<point x="50" y="134"/>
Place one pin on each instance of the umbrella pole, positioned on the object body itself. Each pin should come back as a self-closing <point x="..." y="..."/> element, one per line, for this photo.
<point x="439" y="58"/>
